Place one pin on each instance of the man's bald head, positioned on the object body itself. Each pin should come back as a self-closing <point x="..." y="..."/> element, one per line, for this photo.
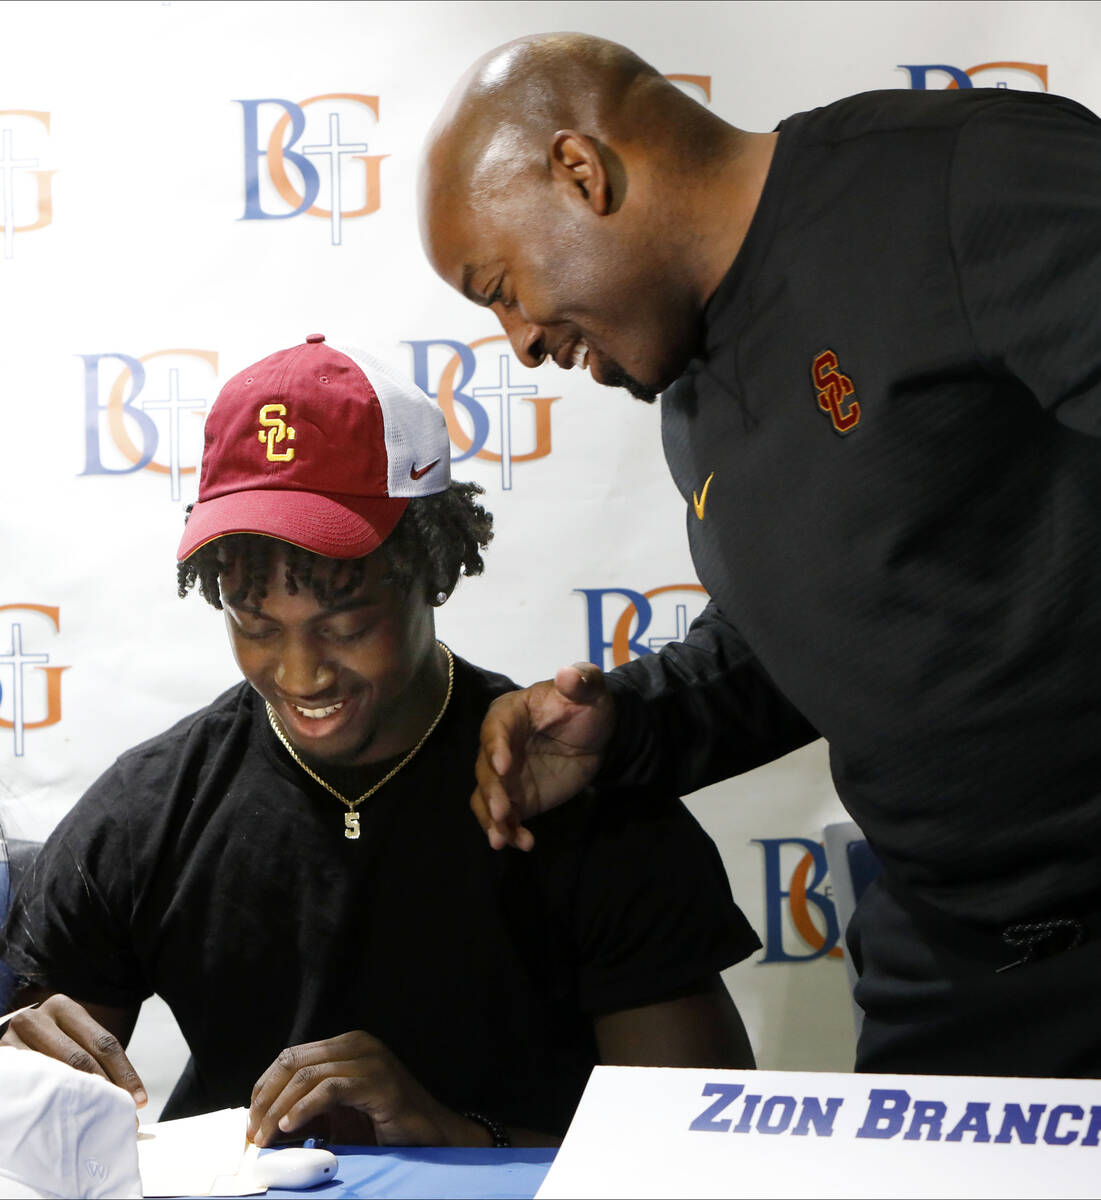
<point x="573" y="189"/>
<point x="501" y="115"/>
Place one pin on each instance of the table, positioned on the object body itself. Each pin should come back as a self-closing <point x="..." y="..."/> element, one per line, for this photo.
<point x="407" y="1173"/>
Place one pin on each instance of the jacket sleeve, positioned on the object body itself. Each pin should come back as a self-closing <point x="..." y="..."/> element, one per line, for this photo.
<point x="1025" y="224"/>
<point x="698" y="711"/>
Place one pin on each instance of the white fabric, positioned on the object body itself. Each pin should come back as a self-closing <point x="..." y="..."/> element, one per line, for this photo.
<point x="414" y="427"/>
<point x="62" y="1132"/>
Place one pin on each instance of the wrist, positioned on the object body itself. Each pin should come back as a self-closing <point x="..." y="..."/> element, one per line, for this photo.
<point x="492" y="1133"/>
<point x="457" y="1129"/>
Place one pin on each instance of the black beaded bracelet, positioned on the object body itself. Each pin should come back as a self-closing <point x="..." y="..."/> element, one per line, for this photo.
<point x="499" y="1134"/>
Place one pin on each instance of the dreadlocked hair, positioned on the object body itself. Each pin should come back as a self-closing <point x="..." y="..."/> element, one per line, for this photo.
<point x="437" y="539"/>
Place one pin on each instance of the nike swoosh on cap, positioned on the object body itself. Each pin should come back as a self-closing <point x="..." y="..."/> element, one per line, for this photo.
<point x="419" y="473"/>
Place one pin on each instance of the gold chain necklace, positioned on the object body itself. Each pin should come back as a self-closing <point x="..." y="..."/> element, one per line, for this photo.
<point x="351" y="817"/>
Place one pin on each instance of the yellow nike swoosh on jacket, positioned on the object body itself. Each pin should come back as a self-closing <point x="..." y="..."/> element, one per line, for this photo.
<point x="699" y="501"/>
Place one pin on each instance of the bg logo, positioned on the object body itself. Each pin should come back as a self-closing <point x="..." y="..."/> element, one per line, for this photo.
<point x="152" y="421"/>
<point x="1022" y="76"/>
<point x="14" y="688"/>
<point x="632" y="615"/>
<point x="473" y="409"/>
<point x="26" y="198"/>
<point x="319" y="174"/>
<point x="803" y="864"/>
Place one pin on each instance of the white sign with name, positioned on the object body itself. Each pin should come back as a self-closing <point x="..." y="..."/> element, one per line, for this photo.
<point x="658" y="1131"/>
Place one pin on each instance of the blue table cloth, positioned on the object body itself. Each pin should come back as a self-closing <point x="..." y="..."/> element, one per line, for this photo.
<point x="410" y="1173"/>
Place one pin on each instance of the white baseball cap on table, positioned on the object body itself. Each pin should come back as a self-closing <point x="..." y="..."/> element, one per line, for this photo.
<point x="63" y="1132"/>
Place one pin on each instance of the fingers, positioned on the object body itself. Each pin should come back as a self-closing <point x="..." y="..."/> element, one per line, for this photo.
<point x="497" y="794"/>
<point x="298" y="1072"/>
<point x="353" y="1076"/>
<point x="582" y="683"/>
<point x="510" y="833"/>
<point x="503" y="831"/>
<point x="62" y="1029"/>
<point x="494" y="790"/>
<point x="315" y="1091"/>
<point x="539" y="745"/>
<point x="507" y="719"/>
<point x="494" y="810"/>
<point x="519" y="836"/>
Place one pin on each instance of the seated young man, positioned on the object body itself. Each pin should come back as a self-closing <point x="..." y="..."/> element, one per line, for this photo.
<point x="295" y="869"/>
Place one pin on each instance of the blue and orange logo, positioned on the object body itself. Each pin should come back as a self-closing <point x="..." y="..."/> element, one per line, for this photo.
<point x="474" y="385"/>
<point x="800" y="918"/>
<point x="640" y="622"/>
<point x="1021" y="76"/>
<point x="330" y="175"/>
<point x="26" y="195"/>
<point x="152" y="416"/>
<point x="29" y="701"/>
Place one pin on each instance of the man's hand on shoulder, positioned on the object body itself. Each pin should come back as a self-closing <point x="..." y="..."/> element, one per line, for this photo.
<point x="540" y="746"/>
<point x="88" y="1037"/>
<point x="353" y="1073"/>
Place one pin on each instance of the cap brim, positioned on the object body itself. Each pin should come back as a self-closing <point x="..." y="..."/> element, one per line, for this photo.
<point x="329" y="525"/>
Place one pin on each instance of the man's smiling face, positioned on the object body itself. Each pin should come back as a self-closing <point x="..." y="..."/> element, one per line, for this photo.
<point x="345" y="682"/>
<point x="565" y="283"/>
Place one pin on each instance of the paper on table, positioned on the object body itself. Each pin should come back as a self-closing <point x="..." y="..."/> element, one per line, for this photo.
<point x="16" y="1011"/>
<point x="208" y="1155"/>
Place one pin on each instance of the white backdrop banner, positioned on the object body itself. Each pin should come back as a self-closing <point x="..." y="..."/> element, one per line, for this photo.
<point x="189" y="186"/>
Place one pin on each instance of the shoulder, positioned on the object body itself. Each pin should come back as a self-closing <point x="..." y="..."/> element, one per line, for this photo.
<point x="116" y="832"/>
<point x="645" y="895"/>
<point x="621" y="816"/>
<point x="193" y="736"/>
<point x="901" y="111"/>
<point x="475" y="689"/>
<point x="479" y="686"/>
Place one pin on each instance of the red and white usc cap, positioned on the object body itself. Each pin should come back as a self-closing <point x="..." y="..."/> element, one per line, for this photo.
<point x="320" y="447"/>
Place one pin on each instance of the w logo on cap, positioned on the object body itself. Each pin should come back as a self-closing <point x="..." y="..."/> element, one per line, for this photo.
<point x="275" y="430"/>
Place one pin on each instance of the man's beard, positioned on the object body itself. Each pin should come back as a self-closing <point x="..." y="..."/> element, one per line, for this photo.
<point x="613" y="375"/>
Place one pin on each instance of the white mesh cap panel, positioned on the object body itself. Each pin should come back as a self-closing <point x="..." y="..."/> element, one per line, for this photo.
<point x="414" y="427"/>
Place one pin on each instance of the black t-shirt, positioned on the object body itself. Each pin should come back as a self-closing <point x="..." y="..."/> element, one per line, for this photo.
<point x="911" y="567"/>
<point x="207" y="867"/>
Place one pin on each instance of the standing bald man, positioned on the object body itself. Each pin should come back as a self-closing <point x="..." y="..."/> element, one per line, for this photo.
<point x="877" y="336"/>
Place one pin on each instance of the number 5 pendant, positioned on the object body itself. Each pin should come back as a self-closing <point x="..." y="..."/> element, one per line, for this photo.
<point x="351" y="824"/>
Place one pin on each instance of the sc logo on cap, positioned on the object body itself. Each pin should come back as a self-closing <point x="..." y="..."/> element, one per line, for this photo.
<point x="276" y="430"/>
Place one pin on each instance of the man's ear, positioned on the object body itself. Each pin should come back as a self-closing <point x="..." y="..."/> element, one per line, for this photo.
<point x="576" y="162"/>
